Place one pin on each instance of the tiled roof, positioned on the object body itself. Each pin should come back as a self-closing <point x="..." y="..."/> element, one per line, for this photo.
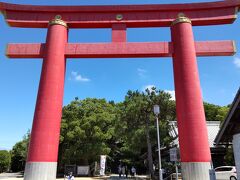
<point x="212" y="127"/>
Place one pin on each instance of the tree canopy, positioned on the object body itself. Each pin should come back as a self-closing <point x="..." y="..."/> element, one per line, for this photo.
<point x="5" y="160"/>
<point x="214" y="112"/>
<point x="136" y="124"/>
<point x="19" y="153"/>
<point x="125" y="131"/>
<point x="87" y="127"/>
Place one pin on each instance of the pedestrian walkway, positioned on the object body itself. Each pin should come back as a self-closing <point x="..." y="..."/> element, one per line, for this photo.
<point x="18" y="176"/>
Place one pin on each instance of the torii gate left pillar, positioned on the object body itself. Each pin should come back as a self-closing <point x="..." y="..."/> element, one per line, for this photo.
<point x="195" y="157"/>
<point x="43" y="149"/>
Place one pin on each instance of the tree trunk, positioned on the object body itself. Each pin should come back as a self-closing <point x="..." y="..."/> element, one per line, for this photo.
<point x="149" y="148"/>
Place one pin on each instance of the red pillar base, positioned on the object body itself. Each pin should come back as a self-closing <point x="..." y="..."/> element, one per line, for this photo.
<point x="195" y="170"/>
<point x="40" y="171"/>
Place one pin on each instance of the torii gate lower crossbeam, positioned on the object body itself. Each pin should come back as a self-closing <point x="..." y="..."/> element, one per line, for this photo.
<point x="194" y="149"/>
<point x="121" y="50"/>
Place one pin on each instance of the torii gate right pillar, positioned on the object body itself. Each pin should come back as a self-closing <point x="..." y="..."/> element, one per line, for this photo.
<point x="193" y="138"/>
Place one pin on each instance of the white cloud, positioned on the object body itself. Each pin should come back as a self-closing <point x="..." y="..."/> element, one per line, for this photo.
<point x="78" y="77"/>
<point x="74" y="73"/>
<point x="3" y="148"/>
<point x="149" y="87"/>
<point x="141" y="72"/>
<point x="172" y="93"/>
<point x="236" y="61"/>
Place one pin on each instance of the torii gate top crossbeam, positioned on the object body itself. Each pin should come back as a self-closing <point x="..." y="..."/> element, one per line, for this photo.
<point x="208" y="13"/>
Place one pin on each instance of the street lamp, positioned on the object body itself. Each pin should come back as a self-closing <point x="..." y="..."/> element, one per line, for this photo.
<point x="156" y="110"/>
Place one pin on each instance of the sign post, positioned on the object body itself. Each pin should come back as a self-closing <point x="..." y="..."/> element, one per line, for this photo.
<point x="173" y="157"/>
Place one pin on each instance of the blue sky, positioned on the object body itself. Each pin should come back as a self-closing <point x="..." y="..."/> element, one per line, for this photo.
<point x="105" y="78"/>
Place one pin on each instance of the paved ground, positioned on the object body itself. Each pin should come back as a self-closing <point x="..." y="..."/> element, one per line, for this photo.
<point x="10" y="176"/>
<point x="18" y="176"/>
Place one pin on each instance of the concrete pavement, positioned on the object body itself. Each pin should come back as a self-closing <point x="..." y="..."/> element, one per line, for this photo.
<point x="19" y="176"/>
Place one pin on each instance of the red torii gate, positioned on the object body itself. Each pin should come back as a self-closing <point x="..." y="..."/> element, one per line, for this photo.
<point x="194" y="149"/>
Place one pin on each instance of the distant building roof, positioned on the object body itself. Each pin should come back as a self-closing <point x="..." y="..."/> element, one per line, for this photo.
<point x="212" y="127"/>
<point x="231" y="125"/>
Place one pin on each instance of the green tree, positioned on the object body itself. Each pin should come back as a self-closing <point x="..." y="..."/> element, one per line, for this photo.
<point x="86" y="130"/>
<point x="214" y="112"/>
<point x="19" y="154"/>
<point x="211" y="111"/>
<point x="229" y="157"/>
<point x="136" y="122"/>
<point x="92" y="127"/>
<point x="5" y="160"/>
<point x="222" y="113"/>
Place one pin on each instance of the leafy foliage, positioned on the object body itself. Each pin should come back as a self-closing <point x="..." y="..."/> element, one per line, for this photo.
<point x="19" y="154"/>
<point x="136" y="122"/>
<point x="136" y="109"/>
<point x="214" y="112"/>
<point x="87" y="126"/>
<point x="124" y="131"/>
<point x="5" y="160"/>
<point x="229" y="157"/>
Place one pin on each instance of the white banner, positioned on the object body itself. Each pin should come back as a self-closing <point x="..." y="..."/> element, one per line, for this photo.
<point x="102" y="164"/>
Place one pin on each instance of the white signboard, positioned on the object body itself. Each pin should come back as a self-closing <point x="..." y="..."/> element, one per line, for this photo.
<point x="173" y="154"/>
<point x="102" y="164"/>
<point x="83" y="170"/>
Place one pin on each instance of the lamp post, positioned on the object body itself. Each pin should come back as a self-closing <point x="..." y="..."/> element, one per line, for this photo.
<point x="156" y="111"/>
